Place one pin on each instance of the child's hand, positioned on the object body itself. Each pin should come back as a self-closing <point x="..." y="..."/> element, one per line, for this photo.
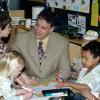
<point x="26" y="94"/>
<point x="20" y="81"/>
<point x="21" y="92"/>
<point x="26" y="79"/>
<point x="62" y="84"/>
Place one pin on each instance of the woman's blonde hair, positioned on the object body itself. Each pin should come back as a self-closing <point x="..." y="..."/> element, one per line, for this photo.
<point x="9" y="62"/>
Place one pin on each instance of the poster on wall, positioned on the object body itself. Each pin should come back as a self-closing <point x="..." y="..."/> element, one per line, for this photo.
<point x="77" y="22"/>
<point x="74" y="5"/>
<point x="94" y="13"/>
<point x="78" y="5"/>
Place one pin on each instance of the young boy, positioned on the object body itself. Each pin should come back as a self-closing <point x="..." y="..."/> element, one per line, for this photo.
<point x="89" y="76"/>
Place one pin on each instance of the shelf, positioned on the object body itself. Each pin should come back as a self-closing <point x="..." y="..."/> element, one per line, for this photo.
<point x="41" y="1"/>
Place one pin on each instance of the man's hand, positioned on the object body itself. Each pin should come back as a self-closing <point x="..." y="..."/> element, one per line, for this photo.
<point x="59" y="77"/>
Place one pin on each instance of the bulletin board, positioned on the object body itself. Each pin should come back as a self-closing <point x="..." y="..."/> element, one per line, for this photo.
<point x="74" y="5"/>
<point x="71" y="22"/>
<point x="80" y="14"/>
<point x="77" y="22"/>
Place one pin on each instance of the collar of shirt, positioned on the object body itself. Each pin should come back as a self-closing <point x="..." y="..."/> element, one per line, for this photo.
<point x="45" y="42"/>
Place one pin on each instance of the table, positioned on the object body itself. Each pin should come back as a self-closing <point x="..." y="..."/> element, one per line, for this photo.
<point x="41" y="97"/>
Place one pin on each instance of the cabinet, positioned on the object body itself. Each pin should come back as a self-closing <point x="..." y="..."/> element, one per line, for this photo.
<point x="28" y="4"/>
<point x="40" y="1"/>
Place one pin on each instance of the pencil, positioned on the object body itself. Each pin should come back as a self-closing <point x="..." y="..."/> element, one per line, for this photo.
<point x="25" y="88"/>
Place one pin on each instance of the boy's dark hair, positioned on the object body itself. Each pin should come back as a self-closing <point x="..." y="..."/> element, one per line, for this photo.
<point x="93" y="47"/>
<point x="4" y="20"/>
<point x="47" y="15"/>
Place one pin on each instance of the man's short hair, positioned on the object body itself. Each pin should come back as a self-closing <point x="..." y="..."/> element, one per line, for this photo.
<point x="47" y="15"/>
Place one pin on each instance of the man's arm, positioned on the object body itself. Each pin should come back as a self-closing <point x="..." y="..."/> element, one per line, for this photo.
<point x="64" y="62"/>
<point x="15" y="45"/>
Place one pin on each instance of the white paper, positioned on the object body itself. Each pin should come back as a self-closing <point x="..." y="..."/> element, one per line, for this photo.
<point x="39" y="88"/>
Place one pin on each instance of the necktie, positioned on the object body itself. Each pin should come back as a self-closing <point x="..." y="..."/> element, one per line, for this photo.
<point x="40" y="52"/>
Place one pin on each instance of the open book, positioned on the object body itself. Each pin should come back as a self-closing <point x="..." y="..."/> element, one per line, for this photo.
<point x="39" y="88"/>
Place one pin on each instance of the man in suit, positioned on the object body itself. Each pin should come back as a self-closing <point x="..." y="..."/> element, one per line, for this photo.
<point x="55" y="54"/>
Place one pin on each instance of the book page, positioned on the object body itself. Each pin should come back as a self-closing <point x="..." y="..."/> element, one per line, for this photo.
<point x="39" y="88"/>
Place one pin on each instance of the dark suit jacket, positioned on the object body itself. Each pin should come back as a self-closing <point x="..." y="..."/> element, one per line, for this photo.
<point x="57" y="55"/>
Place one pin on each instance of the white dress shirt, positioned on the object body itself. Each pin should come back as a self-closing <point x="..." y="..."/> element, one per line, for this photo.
<point x="45" y="42"/>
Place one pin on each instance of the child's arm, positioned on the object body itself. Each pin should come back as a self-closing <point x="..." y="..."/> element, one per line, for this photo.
<point x="76" y="86"/>
<point x="86" y="92"/>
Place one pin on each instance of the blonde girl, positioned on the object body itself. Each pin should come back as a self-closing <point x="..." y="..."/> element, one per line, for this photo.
<point x="89" y="76"/>
<point x="11" y="66"/>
